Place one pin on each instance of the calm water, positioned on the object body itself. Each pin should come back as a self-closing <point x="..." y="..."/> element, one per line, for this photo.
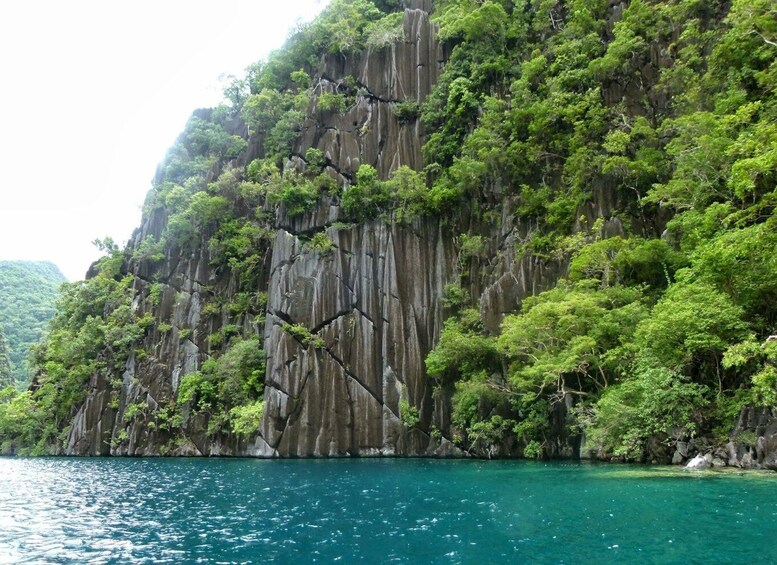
<point x="379" y="511"/>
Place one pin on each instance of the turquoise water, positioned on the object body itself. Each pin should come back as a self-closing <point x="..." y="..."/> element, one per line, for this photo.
<point x="379" y="511"/>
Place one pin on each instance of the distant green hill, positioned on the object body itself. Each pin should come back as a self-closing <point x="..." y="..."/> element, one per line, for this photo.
<point x="28" y="292"/>
<point x="6" y="377"/>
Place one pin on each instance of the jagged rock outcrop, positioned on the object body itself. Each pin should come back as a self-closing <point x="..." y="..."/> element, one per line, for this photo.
<point x="370" y="132"/>
<point x="753" y="444"/>
<point x="374" y="301"/>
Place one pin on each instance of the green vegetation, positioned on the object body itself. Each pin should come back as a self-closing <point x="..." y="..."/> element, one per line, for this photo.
<point x="6" y="376"/>
<point x="93" y="332"/>
<point x="402" y="198"/>
<point x="408" y="414"/>
<point x="330" y="102"/>
<point x="28" y="292"/>
<point x="321" y="244"/>
<point x="20" y="421"/>
<point x="407" y="112"/>
<point x="228" y="390"/>
<point x="385" y="31"/>
<point x="304" y="336"/>
<point x="650" y="339"/>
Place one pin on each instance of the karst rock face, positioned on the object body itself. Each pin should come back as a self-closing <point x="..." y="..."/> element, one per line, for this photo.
<point x="371" y="306"/>
<point x="375" y="298"/>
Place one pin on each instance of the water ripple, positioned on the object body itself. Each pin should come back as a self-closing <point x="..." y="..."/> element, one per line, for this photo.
<point x="377" y="511"/>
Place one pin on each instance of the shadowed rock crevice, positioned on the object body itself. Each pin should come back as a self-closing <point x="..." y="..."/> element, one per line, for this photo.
<point x="352" y="376"/>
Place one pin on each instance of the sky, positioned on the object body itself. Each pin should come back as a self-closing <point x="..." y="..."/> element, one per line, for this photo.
<point x="94" y="92"/>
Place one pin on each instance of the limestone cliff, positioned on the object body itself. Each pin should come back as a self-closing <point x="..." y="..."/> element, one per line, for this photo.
<point x="374" y="299"/>
<point x="286" y="296"/>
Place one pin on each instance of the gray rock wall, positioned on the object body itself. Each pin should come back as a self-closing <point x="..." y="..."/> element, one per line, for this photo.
<point x="374" y="306"/>
<point x="369" y="132"/>
<point x="374" y="301"/>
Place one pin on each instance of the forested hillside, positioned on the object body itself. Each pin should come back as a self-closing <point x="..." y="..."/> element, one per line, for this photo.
<point x="522" y="228"/>
<point x="28" y="292"/>
<point x="6" y="376"/>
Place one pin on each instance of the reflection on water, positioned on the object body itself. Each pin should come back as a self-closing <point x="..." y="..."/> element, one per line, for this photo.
<point x="378" y="511"/>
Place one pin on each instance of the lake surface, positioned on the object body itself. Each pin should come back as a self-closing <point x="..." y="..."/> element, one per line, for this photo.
<point x="56" y="510"/>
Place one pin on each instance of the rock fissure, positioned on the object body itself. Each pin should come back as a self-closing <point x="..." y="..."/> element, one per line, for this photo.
<point x="351" y="424"/>
<point x="345" y="282"/>
<point x="313" y="231"/>
<point x="372" y="96"/>
<point x="294" y="414"/>
<point x="274" y="384"/>
<point x="324" y="323"/>
<point x="366" y="316"/>
<point x="333" y="164"/>
<point x="348" y="373"/>
<point x="282" y="316"/>
<point x="281" y="264"/>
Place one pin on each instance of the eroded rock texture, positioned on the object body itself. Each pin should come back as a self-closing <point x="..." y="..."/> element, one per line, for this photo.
<point x="374" y="305"/>
<point x="369" y="132"/>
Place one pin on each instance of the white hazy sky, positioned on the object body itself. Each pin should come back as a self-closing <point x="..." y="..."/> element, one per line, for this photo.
<point x="92" y="94"/>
